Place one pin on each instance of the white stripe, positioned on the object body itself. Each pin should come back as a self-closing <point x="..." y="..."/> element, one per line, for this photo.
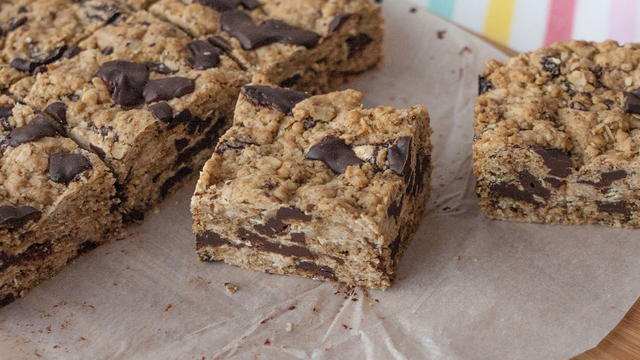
<point x="591" y="20"/>
<point x="422" y="3"/>
<point x="637" y="32"/>
<point x="529" y="24"/>
<point x="471" y="14"/>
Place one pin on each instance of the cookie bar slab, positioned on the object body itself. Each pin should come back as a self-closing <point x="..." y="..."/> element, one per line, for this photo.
<point x="312" y="46"/>
<point x="557" y="134"/>
<point x="314" y="186"/>
<point x="132" y="98"/>
<point x="37" y="33"/>
<point x="56" y="201"/>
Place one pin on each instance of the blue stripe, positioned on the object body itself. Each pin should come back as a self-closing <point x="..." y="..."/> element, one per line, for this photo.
<point x="442" y="7"/>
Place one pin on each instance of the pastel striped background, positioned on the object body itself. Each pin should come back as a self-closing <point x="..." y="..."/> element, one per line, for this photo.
<point x="527" y="25"/>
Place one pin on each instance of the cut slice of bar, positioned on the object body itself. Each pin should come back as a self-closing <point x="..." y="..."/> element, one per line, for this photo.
<point x="314" y="186"/>
<point x="313" y="46"/>
<point x="132" y="98"/>
<point x="57" y="201"/>
<point x="557" y="135"/>
<point x="37" y="33"/>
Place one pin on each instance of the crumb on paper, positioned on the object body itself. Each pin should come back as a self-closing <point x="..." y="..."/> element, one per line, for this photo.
<point x="457" y="258"/>
<point x="475" y="259"/>
<point x="441" y="33"/>
<point x="156" y="210"/>
<point x="413" y="10"/>
<point x="168" y="307"/>
<point x="267" y="343"/>
<point x="283" y="346"/>
<point x="231" y="288"/>
<point x="289" y="327"/>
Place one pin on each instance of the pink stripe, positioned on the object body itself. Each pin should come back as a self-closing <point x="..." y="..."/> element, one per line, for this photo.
<point x="560" y="21"/>
<point x="622" y="20"/>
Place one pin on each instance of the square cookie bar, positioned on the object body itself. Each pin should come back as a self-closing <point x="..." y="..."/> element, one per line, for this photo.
<point x="56" y="200"/>
<point x="143" y="96"/>
<point x="557" y="135"/>
<point x="311" y="46"/>
<point x="314" y="186"/>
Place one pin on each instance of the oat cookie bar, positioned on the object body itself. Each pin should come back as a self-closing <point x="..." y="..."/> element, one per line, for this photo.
<point x="56" y="200"/>
<point x="314" y="186"/>
<point x="147" y="99"/>
<point x="311" y="46"/>
<point x="557" y="134"/>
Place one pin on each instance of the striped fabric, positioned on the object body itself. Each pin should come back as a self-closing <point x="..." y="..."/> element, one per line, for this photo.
<point x="529" y="24"/>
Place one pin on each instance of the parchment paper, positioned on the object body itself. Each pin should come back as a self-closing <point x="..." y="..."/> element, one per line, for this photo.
<point x="468" y="287"/>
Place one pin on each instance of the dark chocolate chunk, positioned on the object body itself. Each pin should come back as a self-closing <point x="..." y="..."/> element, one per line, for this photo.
<point x="168" y="88"/>
<point x="606" y="179"/>
<point x="275" y="225"/>
<point x="549" y="65"/>
<point x="12" y="217"/>
<point x="335" y="153"/>
<point x="337" y="22"/>
<point x="162" y="111"/>
<point x="240" y="25"/>
<point x="16" y="23"/>
<point x="7" y="299"/>
<point x="87" y="246"/>
<point x="632" y="102"/>
<point x="40" y="70"/>
<point x="65" y="167"/>
<point x="399" y="156"/>
<point x="358" y="43"/>
<point x="58" y="112"/>
<point x="263" y="244"/>
<point x="23" y="65"/>
<point x="484" y="85"/>
<point x="205" y="55"/>
<point x="395" y="247"/>
<point x="220" y="42"/>
<point x="210" y="238"/>
<point x="532" y="185"/>
<point x="416" y="179"/>
<point x="554" y="182"/>
<point x="5" y="260"/>
<point x="159" y="68"/>
<point x="224" y="146"/>
<point x="107" y="13"/>
<point x="298" y="237"/>
<point x="288" y="34"/>
<point x="171" y="182"/>
<point x="265" y="229"/>
<point x="283" y="100"/>
<point x="72" y="52"/>
<point x="126" y="81"/>
<point x="609" y="103"/>
<point x="597" y="71"/>
<point x="290" y="81"/>
<point x="618" y="207"/>
<point x="558" y="162"/>
<point x="98" y="151"/>
<point x="107" y="50"/>
<point x="310" y="207"/>
<point x="181" y="144"/>
<point x="227" y="5"/>
<point x="309" y="123"/>
<point x="22" y="9"/>
<point x="577" y="105"/>
<point x="395" y="208"/>
<point x="321" y="271"/>
<point x="183" y="116"/>
<point x="5" y="113"/>
<point x="292" y="213"/>
<point x="36" y="129"/>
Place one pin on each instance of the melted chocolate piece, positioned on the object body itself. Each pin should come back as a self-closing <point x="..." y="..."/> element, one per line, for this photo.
<point x="210" y="238"/>
<point x="159" y="68"/>
<point x="618" y="207"/>
<point x="283" y="100"/>
<point x="320" y="271"/>
<point x="126" y="81"/>
<point x="288" y="34"/>
<point x="72" y="52"/>
<point x="558" y="162"/>
<point x="554" y="182"/>
<point x="16" y="23"/>
<point x="632" y="102"/>
<point x="65" y="167"/>
<point x="184" y="116"/>
<point x="23" y="65"/>
<point x="292" y="213"/>
<point x="12" y="217"/>
<point x="399" y="156"/>
<point x="38" y="62"/>
<point x="220" y="42"/>
<point x="395" y="247"/>
<point x="395" y="208"/>
<point x="107" y="50"/>
<point x="484" y="85"/>
<point x="205" y="55"/>
<point x="175" y="179"/>
<point x="276" y="225"/>
<point x="577" y="105"/>
<point x="168" y="88"/>
<point x="7" y="299"/>
<point x="162" y="111"/>
<point x="532" y="185"/>
<point x="180" y="144"/>
<point x="298" y="237"/>
<point x="606" y="179"/>
<point x="227" y="5"/>
<point x="597" y="71"/>
<point x="40" y="70"/>
<point x="550" y="66"/>
<point x="358" y="43"/>
<point x="337" y="22"/>
<point x="335" y="153"/>
<point x="58" y="112"/>
<point x="5" y="113"/>
<point x="224" y="146"/>
<point x="290" y="81"/>
<point x="101" y="154"/>
<point x="263" y="244"/>
<point x="416" y="179"/>
<point x="35" y="130"/>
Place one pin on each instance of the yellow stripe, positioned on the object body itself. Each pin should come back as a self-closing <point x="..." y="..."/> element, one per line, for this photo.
<point x="497" y="25"/>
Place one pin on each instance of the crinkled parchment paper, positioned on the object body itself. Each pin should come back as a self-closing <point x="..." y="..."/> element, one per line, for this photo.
<point x="468" y="287"/>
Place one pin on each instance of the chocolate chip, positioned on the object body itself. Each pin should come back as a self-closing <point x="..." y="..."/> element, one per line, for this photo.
<point x="395" y="247"/>
<point x="159" y="68"/>
<point x="309" y="123"/>
<point x="101" y="154"/>
<point x="72" y="52"/>
<point x="168" y="88"/>
<point x="240" y="25"/>
<point x="290" y="81"/>
<point x="320" y="271"/>
<point x="205" y="55"/>
<point x="22" y="9"/>
<point x="5" y="113"/>
<point x="632" y="102"/>
<point x="36" y="129"/>
<point x="16" y="23"/>
<point x="107" y="50"/>
<point x="395" y="208"/>
<point x="609" y="103"/>
<point x="162" y="111"/>
<point x="40" y="70"/>
<point x="606" y="179"/>
<point x="58" y="112"/>
<point x="7" y="299"/>
<point x="416" y="183"/>
<point x="335" y="153"/>
<point x="577" y="105"/>
<point x="180" y="144"/>
<point x="597" y="71"/>
<point x="532" y="185"/>
<point x="126" y="81"/>
<point x="554" y="182"/>
<point x="227" y="5"/>
<point x="551" y="65"/>
<point x="12" y="217"/>
<point x="310" y="207"/>
<point x="298" y="237"/>
<point x="224" y="146"/>
<point x="87" y="246"/>
<point x="65" y="167"/>
<point x="337" y="22"/>
<point x="210" y="238"/>
<point x="288" y="34"/>
<point x="618" y="207"/>
<point x="357" y="44"/>
<point x="265" y="229"/>
<point x="484" y="85"/>
<point x="399" y="155"/>
<point x="23" y="65"/>
<point x="220" y="42"/>
<point x="171" y="182"/>
<point x="283" y="100"/>
<point x="558" y="162"/>
<point x="292" y="213"/>
<point x="263" y="244"/>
